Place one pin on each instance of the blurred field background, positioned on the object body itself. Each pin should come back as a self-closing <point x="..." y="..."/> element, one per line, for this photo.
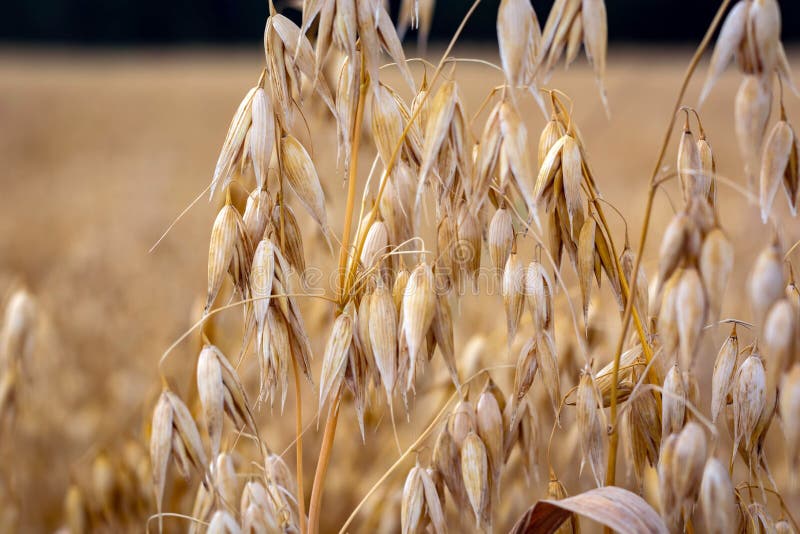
<point x="101" y="150"/>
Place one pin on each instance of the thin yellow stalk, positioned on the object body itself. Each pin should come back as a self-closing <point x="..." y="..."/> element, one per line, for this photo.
<point x="330" y="424"/>
<point x="301" y="499"/>
<point x="351" y="183"/>
<point x="322" y="466"/>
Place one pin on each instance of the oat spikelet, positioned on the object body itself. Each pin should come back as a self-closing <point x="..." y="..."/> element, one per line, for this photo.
<point x="766" y="284"/>
<point x="730" y="37"/>
<point x="233" y="144"/>
<point x="347" y="91"/>
<point x="160" y="449"/>
<point x="293" y="240"/>
<point x="774" y="162"/>
<point x="441" y="109"/>
<point x="670" y="508"/>
<point x="462" y="422"/>
<point x="586" y="264"/>
<point x="221" y="392"/>
<point x="690" y="308"/>
<point x="222" y="522"/>
<point x="376" y="245"/>
<point x="262" y="275"/>
<point x="757" y="519"/>
<point x="433" y="501"/>
<point x="548" y="168"/>
<point x="299" y="57"/>
<point x="525" y="373"/>
<point x="644" y="431"/>
<point x="442" y="329"/>
<point x="763" y="35"/>
<point x="717" y="499"/>
<point x="391" y="43"/>
<point x="221" y="250"/>
<point x="687" y="465"/>
<point x="689" y="166"/>
<point x="383" y="337"/>
<point x="469" y="244"/>
<point x="302" y="178"/>
<point x="667" y="315"/>
<point x="500" y="238"/>
<point x="474" y="470"/>
<point x="447" y="461"/>
<point x="572" y="169"/>
<point x="489" y="418"/>
<point x="174" y="434"/>
<point x="574" y="42"/>
<point x="779" y="333"/>
<point x="538" y="291"/>
<point x="591" y="427"/>
<point x="716" y="265"/>
<point x="750" y="120"/>
<point x="419" y="307"/>
<point x="547" y="361"/>
<point x="515" y="147"/>
<point x="722" y="378"/>
<point x="706" y="185"/>
<point x="672" y="246"/>
<point x="256" y="214"/>
<point x="789" y="406"/>
<point x="413" y="501"/>
<point x="18" y="330"/>
<point x="334" y="360"/>
<point x="212" y="395"/>
<point x="261" y="136"/>
<point x="749" y="400"/>
<point x="518" y="37"/>
<point x="595" y="41"/>
<point x="387" y="122"/>
<point x="418" y="14"/>
<point x="673" y="404"/>
<point x="791" y="177"/>
<point x="513" y="285"/>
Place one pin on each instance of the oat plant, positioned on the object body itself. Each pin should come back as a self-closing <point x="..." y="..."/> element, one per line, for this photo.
<point x="502" y="448"/>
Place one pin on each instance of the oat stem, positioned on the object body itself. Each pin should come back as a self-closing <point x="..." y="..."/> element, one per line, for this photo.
<point x="301" y="498"/>
<point x="333" y="416"/>
<point x="322" y="465"/>
<point x="351" y="183"/>
<point x="626" y="317"/>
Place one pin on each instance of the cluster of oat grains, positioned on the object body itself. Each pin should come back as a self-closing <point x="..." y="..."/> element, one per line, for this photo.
<point x="396" y="301"/>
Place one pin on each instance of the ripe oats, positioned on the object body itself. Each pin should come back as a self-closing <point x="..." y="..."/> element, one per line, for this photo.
<point x="724" y="367"/>
<point x="717" y="499"/>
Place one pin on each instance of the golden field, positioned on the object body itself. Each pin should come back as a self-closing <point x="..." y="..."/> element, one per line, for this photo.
<point x="101" y="151"/>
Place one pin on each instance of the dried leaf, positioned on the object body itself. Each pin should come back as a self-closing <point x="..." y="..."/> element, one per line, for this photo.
<point x="614" y="507"/>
